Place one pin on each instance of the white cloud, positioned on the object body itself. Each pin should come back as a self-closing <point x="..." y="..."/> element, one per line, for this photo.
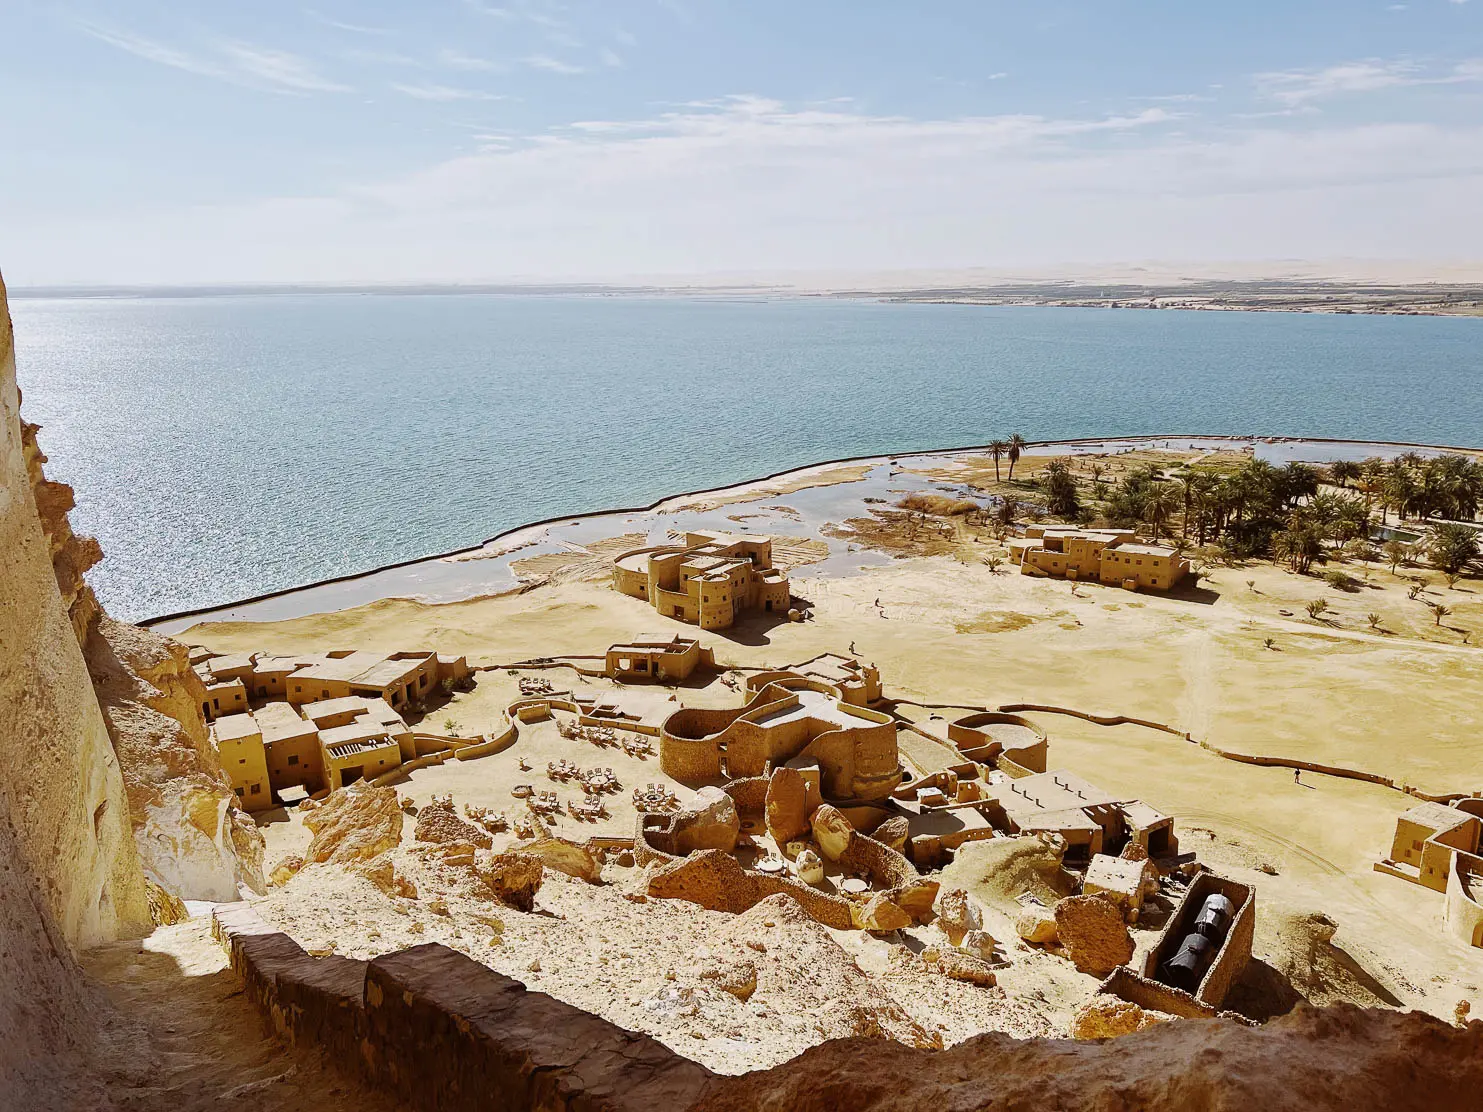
<point x="551" y="65"/>
<point x="1368" y="75"/>
<point x="456" y="59"/>
<point x="236" y="62"/>
<point x="377" y="57"/>
<point x="150" y="50"/>
<point x="280" y="68"/>
<point x="489" y="9"/>
<point x="609" y="57"/>
<point x="443" y="93"/>
<point x="340" y="25"/>
<point x="751" y="184"/>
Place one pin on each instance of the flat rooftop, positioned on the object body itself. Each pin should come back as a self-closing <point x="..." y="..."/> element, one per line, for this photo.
<point x="360" y="667"/>
<point x="234" y="727"/>
<point x="269" y="664"/>
<point x="1438" y="816"/>
<point x="367" y="708"/>
<point x="811" y="704"/>
<point x="233" y="662"/>
<point x="1114" y="873"/>
<point x="1057" y="790"/>
<point x="388" y="672"/>
<point x="368" y="735"/>
<point x="281" y="722"/>
<point x="1145" y="549"/>
<point x="831" y="666"/>
<point x="355" y="748"/>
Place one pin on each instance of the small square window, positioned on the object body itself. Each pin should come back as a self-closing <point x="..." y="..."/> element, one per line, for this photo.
<point x="257" y="789"/>
<point x="293" y="758"/>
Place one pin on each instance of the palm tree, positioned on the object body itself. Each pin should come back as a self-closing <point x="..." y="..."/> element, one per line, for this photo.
<point x="997" y="450"/>
<point x="1298" y="544"/>
<point x="1441" y="610"/>
<point x="1060" y="489"/>
<point x="1161" y="502"/>
<point x="1399" y="491"/>
<point x="1015" y="446"/>
<point x="1373" y="619"/>
<point x="1005" y="513"/>
<point x="1344" y="472"/>
<point x="1395" y="554"/>
<point x="1452" y="547"/>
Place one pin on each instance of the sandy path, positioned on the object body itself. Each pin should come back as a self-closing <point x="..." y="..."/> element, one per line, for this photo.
<point x="184" y="1037"/>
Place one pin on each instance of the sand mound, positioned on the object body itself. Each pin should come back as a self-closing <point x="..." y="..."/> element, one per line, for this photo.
<point x="998" y="871"/>
<point x="1304" y="963"/>
<point x="806" y="972"/>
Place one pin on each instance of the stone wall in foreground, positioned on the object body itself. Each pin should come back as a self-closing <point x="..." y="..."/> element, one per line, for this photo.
<point x="448" y="1034"/>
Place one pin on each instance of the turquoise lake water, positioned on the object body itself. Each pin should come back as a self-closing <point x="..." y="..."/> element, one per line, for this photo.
<point x="227" y="446"/>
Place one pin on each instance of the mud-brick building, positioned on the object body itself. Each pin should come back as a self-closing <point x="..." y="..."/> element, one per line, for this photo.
<point x="709" y="581"/>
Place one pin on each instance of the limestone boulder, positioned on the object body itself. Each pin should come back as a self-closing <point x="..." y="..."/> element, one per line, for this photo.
<point x="565" y="856"/>
<point x="832" y="832"/>
<point x="383" y="874"/>
<point x="440" y="823"/>
<point x="957" y="914"/>
<point x="354" y="824"/>
<point x="787" y="806"/>
<point x="914" y="897"/>
<point x="164" y="908"/>
<point x="965" y="967"/>
<point x="1105" y="1016"/>
<point x="893" y="833"/>
<point x="285" y="870"/>
<point x="1134" y="851"/>
<point x="880" y="915"/>
<point x="514" y="878"/>
<point x="714" y="879"/>
<point x="1093" y="933"/>
<point x="1036" y="925"/>
<point x="978" y="943"/>
<point x="712" y="823"/>
<point x="736" y="977"/>
<point x="455" y="854"/>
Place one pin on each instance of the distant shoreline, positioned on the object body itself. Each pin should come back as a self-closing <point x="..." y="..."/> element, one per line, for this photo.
<point x="659" y="504"/>
<point x="1282" y="295"/>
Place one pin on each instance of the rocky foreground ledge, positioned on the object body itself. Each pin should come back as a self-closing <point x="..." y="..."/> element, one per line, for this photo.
<point x="448" y="1034"/>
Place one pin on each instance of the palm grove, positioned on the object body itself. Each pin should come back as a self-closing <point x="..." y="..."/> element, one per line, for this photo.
<point x="1296" y="513"/>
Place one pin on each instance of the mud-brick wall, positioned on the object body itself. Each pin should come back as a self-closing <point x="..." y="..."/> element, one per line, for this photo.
<point x="444" y="1032"/>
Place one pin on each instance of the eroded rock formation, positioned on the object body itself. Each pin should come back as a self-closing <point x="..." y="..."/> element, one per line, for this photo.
<point x="354" y="824"/>
<point x="1092" y="931"/>
<point x="191" y="838"/>
<point x="69" y="870"/>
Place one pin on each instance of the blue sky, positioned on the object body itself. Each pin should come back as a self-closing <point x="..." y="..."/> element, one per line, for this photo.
<point x="457" y="140"/>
